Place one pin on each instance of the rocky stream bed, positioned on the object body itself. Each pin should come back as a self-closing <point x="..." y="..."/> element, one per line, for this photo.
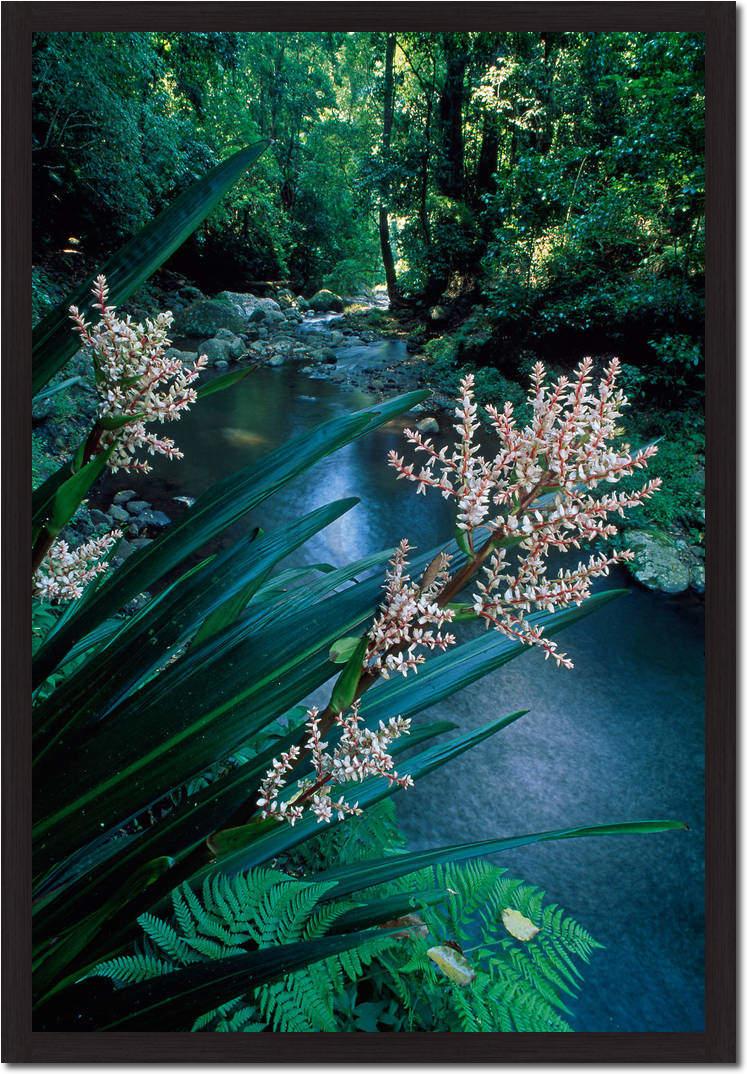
<point x="324" y="338"/>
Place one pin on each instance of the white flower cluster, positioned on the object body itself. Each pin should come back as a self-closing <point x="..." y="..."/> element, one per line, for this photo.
<point x="135" y="379"/>
<point x="359" y="753"/>
<point x="536" y="493"/>
<point x="401" y="627"/>
<point x="65" y="572"/>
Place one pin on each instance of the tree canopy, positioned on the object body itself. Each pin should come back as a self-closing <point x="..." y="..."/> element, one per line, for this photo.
<point x="554" y="180"/>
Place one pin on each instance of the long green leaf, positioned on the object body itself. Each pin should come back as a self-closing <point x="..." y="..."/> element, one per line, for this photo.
<point x="170" y="620"/>
<point x="199" y="709"/>
<point x="55" y="343"/>
<point x="173" y="1001"/>
<point x="214" y="512"/>
<point x="282" y="837"/>
<point x="176" y="836"/>
<point x="388" y="909"/>
<point x="444" y="674"/>
<point x="56" y="501"/>
<point x="352" y="878"/>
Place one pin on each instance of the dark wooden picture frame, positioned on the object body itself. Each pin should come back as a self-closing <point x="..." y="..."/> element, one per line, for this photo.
<point x="718" y="1042"/>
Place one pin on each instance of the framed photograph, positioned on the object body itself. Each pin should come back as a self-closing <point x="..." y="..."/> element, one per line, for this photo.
<point x="371" y="370"/>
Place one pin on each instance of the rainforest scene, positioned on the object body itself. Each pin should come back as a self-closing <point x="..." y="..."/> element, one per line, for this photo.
<point x="368" y="532"/>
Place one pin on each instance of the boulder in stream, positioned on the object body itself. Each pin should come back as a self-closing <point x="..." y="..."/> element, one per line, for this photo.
<point x="204" y="318"/>
<point x="222" y="350"/>
<point x="428" y="425"/>
<point x="326" y="302"/>
<point x="659" y="563"/>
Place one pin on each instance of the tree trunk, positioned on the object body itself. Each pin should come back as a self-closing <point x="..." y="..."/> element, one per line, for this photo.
<point x="487" y="165"/>
<point x="386" y="244"/>
<point x="451" y="173"/>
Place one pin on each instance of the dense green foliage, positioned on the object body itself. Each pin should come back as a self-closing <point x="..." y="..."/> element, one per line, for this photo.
<point x="556" y="179"/>
<point x="387" y="984"/>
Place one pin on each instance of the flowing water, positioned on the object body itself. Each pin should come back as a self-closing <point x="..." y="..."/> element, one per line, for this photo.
<point x="620" y="737"/>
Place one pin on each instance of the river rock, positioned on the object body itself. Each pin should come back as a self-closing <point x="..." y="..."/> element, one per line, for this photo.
<point x="221" y="366"/>
<point x="118" y="514"/>
<point x="124" y="495"/>
<point x="326" y="302"/>
<point x="302" y="303"/>
<point x="659" y="564"/>
<point x="221" y="350"/>
<point x="123" y="550"/>
<point x="252" y="308"/>
<point x="191" y="293"/>
<point x="204" y="318"/>
<point x="697" y="577"/>
<point x="428" y="425"/>
<point x="100" y="518"/>
<point x="156" y="520"/>
<point x="136" y="507"/>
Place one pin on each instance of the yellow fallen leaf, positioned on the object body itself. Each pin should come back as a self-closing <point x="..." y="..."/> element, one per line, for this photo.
<point x="452" y="963"/>
<point x="519" y="926"/>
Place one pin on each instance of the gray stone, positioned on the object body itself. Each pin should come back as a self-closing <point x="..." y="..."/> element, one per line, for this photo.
<point x="156" y="520"/>
<point x="246" y="304"/>
<point x="428" y="425"/>
<point x="658" y="564"/>
<point x="136" y="507"/>
<point x="124" y="495"/>
<point x="221" y="350"/>
<point x="326" y="302"/>
<point x="221" y="366"/>
<point x="697" y="577"/>
<point x="141" y="542"/>
<point x="118" y="514"/>
<point x="336" y="338"/>
<point x="227" y="334"/>
<point x="137" y="603"/>
<point x="204" y="318"/>
<point x="302" y="303"/>
<point x="277" y="359"/>
<point x="121" y="553"/>
<point x="99" y="518"/>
